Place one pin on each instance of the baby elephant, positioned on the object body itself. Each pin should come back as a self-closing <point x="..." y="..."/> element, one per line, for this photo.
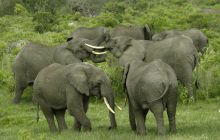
<point x="58" y="87"/>
<point x="150" y="86"/>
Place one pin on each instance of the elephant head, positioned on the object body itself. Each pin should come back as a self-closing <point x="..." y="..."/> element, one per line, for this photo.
<point x="96" y="35"/>
<point x="84" y="48"/>
<point x="84" y="42"/>
<point x="92" y="81"/>
<point x="124" y="49"/>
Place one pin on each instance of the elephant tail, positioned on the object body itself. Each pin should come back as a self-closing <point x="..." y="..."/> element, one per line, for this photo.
<point x="37" y="115"/>
<point x="125" y="75"/>
<point x="197" y="71"/>
<point x="164" y="92"/>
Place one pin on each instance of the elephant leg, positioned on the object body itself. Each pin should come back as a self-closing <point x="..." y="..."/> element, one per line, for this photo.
<point x="171" y="110"/>
<point x="157" y="109"/>
<point x="139" y="118"/>
<point x="20" y="85"/>
<point x="132" y="117"/>
<point x="49" y="115"/>
<point x="77" y="125"/>
<point x="76" y="109"/>
<point x="60" y="116"/>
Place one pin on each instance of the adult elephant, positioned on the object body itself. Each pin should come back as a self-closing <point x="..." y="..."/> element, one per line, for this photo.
<point x="34" y="57"/>
<point x="94" y="36"/>
<point x="58" y="87"/>
<point x="200" y="40"/>
<point x="150" y="86"/>
<point x="179" y="52"/>
<point x="135" y="32"/>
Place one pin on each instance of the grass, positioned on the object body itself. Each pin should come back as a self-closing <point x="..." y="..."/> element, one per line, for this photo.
<point x="194" y="121"/>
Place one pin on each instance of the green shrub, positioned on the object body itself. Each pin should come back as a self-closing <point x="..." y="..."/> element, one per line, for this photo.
<point x="6" y="80"/>
<point x="44" y="21"/>
<point x="20" y="9"/>
<point x="2" y="49"/>
<point x="107" y="19"/>
<point x="183" y="94"/>
<point x="7" y="7"/>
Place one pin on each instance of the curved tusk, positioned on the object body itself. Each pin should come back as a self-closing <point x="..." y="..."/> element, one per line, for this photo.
<point x="118" y="106"/>
<point x="98" y="53"/>
<point x="94" y="47"/>
<point x="108" y="106"/>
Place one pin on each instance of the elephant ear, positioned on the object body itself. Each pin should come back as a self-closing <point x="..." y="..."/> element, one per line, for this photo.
<point x="125" y="44"/>
<point x="78" y="80"/>
<point x="126" y="70"/>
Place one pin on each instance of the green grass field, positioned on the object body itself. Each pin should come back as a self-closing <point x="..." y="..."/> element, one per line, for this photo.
<point x="200" y="120"/>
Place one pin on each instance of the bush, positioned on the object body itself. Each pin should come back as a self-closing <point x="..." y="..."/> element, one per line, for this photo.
<point x="107" y="19"/>
<point x="20" y="10"/>
<point x="6" y="80"/>
<point x="44" y="21"/>
<point x="7" y="7"/>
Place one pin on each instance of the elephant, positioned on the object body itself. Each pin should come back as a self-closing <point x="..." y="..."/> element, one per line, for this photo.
<point x="95" y="36"/>
<point x="179" y="52"/>
<point x="200" y="40"/>
<point x="150" y="86"/>
<point x="34" y="57"/>
<point x="59" y="87"/>
<point x="136" y="32"/>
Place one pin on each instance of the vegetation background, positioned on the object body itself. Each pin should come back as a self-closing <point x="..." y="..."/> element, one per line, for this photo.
<point x="51" y="21"/>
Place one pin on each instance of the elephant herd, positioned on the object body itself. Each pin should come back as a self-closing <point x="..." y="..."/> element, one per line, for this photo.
<point x="152" y="65"/>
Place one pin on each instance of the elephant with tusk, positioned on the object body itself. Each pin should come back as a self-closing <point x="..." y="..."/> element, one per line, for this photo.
<point x="34" y="57"/>
<point x="179" y="52"/>
<point x="58" y="87"/>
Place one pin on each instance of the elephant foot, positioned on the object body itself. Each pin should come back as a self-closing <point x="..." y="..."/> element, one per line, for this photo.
<point x="78" y="129"/>
<point x="141" y="132"/>
<point x="173" y="131"/>
<point x="15" y="101"/>
<point x="112" y="127"/>
<point x="133" y="128"/>
<point x="87" y="129"/>
<point x="161" y="133"/>
<point x="62" y="129"/>
<point x="53" y="130"/>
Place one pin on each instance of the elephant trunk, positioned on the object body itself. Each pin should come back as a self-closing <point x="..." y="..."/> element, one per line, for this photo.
<point x="110" y="103"/>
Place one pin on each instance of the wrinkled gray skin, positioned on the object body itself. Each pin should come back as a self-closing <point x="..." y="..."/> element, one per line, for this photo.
<point x="94" y="36"/>
<point x="179" y="52"/>
<point x="34" y="57"/>
<point x="58" y="87"/>
<point x="200" y="40"/>
<point x="151" y="86"/>
<point x="135" y="32"/>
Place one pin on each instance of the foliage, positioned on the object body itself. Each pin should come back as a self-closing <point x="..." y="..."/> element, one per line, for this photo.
<point x="44" y="21"/>
<point x="7" y="7"/>
<point x="7" y="80"/>
<point x="20" y="9"/>
<point x="55" y="19"/>
<point x="55" y="26"/>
